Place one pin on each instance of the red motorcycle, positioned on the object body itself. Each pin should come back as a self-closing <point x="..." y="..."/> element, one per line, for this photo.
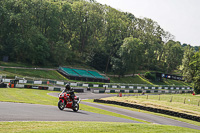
<point x="66" y="102"/>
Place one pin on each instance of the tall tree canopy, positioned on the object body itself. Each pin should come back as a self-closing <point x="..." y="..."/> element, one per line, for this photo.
<point x="67" y="31"/>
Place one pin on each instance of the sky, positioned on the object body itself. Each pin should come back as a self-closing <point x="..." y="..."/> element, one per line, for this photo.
<point x="179" y="17"/>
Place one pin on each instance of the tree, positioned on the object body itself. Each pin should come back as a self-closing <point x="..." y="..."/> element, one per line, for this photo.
<point x="66" y="31"/>
<point x="195" y="66"/>
<point x="186" y="68"/>
<point x="173" y="55"/>
<point x="150" y="33"/>
<point x="115" y="31"/>
<point x="129" y="56"/>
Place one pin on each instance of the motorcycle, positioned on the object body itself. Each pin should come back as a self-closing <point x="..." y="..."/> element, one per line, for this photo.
<point x="66" y="102"/>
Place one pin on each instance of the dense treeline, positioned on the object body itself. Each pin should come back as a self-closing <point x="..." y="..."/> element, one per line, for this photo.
<point x="191" y="67"/>
<point x="67" y="31"/>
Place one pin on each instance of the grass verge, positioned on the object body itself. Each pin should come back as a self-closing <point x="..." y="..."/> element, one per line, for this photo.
<point x="47" y="74"/>
<point x="146" y="80"/>
<point x="88" y="127"/>
<point x="173" y="102"/>
<point x="127" y="80"/>
<point x="138" y="110"/>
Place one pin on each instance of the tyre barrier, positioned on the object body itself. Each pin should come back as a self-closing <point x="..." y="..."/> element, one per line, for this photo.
<point x="3" y="85"/>
<point x="151" y="109"/>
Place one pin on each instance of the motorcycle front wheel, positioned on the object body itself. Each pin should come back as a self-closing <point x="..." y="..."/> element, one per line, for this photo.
<point x="61" y="105"/>
<point x="76" y="107"/>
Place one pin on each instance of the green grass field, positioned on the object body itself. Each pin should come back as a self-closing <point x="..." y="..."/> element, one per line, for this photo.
<point x="11" y="64"/>
<point x="46" y="74"/>
<point x="88" y="127"/>
<point x="127" y="80"/>
<point x="27" y="96"/>
<point x="142" y="80"/>
<point x="163" y="101"/>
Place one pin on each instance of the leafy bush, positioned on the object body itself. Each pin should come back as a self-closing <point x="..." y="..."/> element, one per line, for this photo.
<point x="150" y="76"/>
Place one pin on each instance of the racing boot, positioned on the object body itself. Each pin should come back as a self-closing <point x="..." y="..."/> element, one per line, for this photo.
<point x="73" y="104"/>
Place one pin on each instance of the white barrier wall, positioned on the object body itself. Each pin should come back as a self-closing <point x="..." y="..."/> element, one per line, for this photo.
<point x="60" y="83"/>
<point x="51" y="88"/>
<point x="96" y="91"/>
<point x="117" y="91"/>
<point x="85" y="85"/>
<point x="19" y="86"/>
<point x="152" y="91"/>
<point x="73" y="84"/>
<point x="22" y="81"/>
<point x="130" y="87"/>
<point x="107" y="91"/>
<point x="6" y="80"/>
<point x="139" y="87"/>
<point x="126" y="91"/>
<point x="95" y="85"/>
<point x="114" y="86"/>
<point x="37" y="82"/>
<point x="105" y="86"/>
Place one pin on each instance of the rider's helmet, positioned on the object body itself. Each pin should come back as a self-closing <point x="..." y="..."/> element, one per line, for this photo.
<point x="67" y="86"/>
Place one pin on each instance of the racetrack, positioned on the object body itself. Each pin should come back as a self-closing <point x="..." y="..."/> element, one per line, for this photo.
<point x="34" y="112"/>
<point x="139" y="115"/>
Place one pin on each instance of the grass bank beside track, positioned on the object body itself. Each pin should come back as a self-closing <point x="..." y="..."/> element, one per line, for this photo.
<point x="88" y="127"/>
<point x="138" y="110"/>
<point x="183" y="103"/>
<point x="46" y="74"/>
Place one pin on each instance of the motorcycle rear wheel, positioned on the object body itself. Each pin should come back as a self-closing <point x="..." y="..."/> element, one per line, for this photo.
<point x="76" y="107"/>
<point x="61" y="105"/>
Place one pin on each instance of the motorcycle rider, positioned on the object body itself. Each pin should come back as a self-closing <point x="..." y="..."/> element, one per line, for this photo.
<point x="70" y="90"/>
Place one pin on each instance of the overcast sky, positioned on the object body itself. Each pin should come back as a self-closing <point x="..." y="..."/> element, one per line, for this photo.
<point x="179" y="17"/>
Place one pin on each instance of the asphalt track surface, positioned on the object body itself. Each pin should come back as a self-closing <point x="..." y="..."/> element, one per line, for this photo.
<point x="34" y="112"/>
<point x="135" y="114"/>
